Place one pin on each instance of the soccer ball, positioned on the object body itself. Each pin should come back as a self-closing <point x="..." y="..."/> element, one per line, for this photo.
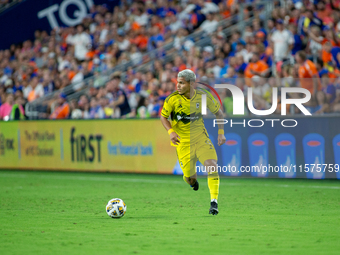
<point x="116" y="208"/>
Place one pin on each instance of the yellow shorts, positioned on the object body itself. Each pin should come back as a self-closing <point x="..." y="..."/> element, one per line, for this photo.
<point x="188" y="154"/>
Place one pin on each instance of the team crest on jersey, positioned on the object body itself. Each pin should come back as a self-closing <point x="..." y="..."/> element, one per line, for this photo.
<point x="197" y="105"/>
<point x="180" y="103"/>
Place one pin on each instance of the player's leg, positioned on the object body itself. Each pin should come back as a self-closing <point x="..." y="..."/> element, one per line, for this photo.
<point x="206" y="154"/>
<point x="213" y="184"/>
<point x="190" y="175"/>
<point x="187" y="164"/>
<point x="192" y="181"/>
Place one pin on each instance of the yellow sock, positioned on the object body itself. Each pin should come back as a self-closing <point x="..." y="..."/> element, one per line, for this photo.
<point x="213" y="184"/>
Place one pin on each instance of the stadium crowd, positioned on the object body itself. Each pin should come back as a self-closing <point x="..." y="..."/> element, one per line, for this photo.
<point x="299" y="47"/>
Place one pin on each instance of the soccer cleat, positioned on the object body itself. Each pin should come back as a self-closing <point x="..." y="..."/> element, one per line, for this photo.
<point x="213" y="208"/>
<point x="195" y="186"/>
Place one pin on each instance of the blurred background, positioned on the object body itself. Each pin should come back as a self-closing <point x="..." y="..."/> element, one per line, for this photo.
<point x="119" y="59"/>
<point x="92" y="59"/>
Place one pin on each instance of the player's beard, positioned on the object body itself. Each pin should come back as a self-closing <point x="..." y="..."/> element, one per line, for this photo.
<point x="182" y="91"/>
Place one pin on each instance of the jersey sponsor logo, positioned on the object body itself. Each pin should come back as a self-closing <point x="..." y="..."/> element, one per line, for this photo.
<point x="187" y="118"/>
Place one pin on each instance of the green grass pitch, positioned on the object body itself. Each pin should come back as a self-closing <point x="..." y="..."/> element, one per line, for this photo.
<point x="64" y="213"/>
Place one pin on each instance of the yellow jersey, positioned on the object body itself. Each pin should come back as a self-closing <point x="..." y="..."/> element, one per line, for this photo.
<point x="185" y="114"/>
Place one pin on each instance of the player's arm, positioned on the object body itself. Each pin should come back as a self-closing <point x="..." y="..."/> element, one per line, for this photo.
<point x="215" y="108"/>
<point x="165" y="113"/>
<point x="221" y="138"/>
<point x="173" y="135"/>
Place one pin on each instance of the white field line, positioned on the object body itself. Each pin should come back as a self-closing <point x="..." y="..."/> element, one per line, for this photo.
<point x="142" y="180"/>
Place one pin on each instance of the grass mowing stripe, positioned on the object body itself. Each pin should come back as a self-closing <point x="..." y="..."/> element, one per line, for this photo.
<point x="142" y="180"/>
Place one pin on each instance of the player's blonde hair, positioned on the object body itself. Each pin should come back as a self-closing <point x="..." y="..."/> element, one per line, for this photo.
<point x="188" y="75"/>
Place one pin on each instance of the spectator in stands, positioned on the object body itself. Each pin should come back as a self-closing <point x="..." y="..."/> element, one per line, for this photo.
<point x="155" y="38"/>
<point x="141" y="18"/>
<point x="235" y="40"/>
<point x="118" y="99"/>
<point x="314" y="45"/>
<point x="77" y="80"/>
<point x="322" y="104"/>
<point x="84" y="106"/>
<point x="47" y="82"/>
<point x="261" y="38"/>
<point x="327" y="87"/>
<point x="240" y="66"/>
<point x="141" y="40"/>
<point x="18" y="112"/>
<point x="309" y="77"/>
<point x="81" y="42"/>
<point x="156" y="112"/>
<point x="5" y="109"/>
<point x="76" y="113"/>
<point x="209" y="25"/>
<point x="142" y="109"/>
<point x="260" y="90"/>
<point x="218" y="67"/>
<point x="122" y="41"/>
<point x="307" y="20"/>
<point x="283" y="42"/>
<point x="36" y="89"/>
<point x="104" y="104"/>
<point x="257" y="27"/>
<point x="335" y="51"/>
<point x="62" y="111"/>
<point x="298" y="44"/>
<point x="135" y="56"/>
<point x="256" y="67"/>
<point x="96" y="111"/>
<point x="132" y="29"/>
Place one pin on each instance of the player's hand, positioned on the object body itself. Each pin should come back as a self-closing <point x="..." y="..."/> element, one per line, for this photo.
<point x="174" y="138"/>
<point x="221" y="140"/>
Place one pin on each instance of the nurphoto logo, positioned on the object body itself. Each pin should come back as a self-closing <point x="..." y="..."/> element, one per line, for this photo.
<point x="238" y="104"/>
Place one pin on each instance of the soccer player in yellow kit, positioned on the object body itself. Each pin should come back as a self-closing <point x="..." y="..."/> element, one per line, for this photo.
<point x="188" y="134"/>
